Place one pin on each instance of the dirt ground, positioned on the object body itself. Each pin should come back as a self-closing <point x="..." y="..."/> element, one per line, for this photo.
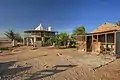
<point x="23" y="63"/>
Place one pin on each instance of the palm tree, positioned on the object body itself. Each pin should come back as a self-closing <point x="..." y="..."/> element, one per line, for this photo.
<point x="11" y="35"/>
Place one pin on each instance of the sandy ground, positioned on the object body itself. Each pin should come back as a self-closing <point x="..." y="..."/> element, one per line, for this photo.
<point x="57" y="64"/>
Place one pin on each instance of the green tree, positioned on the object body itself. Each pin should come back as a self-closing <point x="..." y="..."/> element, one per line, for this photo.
<point x="60" y="40"/>
<point x="79" y="31"/>
<point x="52" y="41"/>
<point x="18" y="37"/>
<point x="11" y="35"/>
<point x="63" y="38"/>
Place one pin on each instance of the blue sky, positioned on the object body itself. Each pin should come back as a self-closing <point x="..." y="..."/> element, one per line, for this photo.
<point x="62" y="15"/>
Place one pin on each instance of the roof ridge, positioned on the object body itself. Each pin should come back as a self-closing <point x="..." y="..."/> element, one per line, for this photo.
<point x="39" y="27"/>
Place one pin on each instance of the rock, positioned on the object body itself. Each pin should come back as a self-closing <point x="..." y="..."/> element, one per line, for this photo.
<point x="46" y="66"/>
<point x="59" y="54"/>
<point x="34" y="48"/>
<point x="25" y="63"/>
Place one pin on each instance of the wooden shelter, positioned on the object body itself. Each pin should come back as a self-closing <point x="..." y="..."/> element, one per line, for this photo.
<point x="104" y="39"/>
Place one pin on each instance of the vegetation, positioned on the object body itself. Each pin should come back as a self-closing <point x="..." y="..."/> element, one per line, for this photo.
<point x="18" y="37"/>
<point x="79" y="31"/>
<point x="13" y="36"/>
<point x="10" y="34"/>
<point x="64" y="39"/>
<point x="52" y="41"/>
<point x="59" y="40"/>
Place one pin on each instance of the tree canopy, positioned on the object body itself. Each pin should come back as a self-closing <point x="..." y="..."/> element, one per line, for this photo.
<point x="64" y="39"/>
<point x="10" y="34"/>
<point x="79" y="31"/>
<point x="13" y="36"/>
<point x="63" y="36"/>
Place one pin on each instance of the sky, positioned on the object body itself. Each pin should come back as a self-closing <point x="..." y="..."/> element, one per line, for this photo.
<point x="62" y="15"/>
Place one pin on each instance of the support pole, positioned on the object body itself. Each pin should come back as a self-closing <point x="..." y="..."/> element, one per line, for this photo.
<point x="27" y="41"/>
<point x="86" y="43"/>
<point x="97" y="37"/>
<point x="92" y="44"/>
<point x="23" y="41"/>
<point x="106" y="43"/>
<point x="34" y="41"/>
<point x="43" y="41"/>
<point x="115" y="52"/>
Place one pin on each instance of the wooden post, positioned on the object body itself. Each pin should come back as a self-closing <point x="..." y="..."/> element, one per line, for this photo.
<point x="92" y="43"/>
<point x="97" y="37"/>
<point x="27" y="41"/>
<point x="23" y="41"/>
<point x="34" y="41"/>
<point x="106" y="43"/>
<point x="43" y="41"/>
<point x="86" y="43"/>
<point x="115" y="42"/>
<point x="105" y="38"/>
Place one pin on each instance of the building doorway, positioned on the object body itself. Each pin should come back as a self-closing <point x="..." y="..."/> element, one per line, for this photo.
<point x="89" y="44"/>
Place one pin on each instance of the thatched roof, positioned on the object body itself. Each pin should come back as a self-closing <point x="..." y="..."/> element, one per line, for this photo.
<point x="106" y="27"/>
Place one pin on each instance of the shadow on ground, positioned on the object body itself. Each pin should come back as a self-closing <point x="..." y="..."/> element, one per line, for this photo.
<point x="49" y="72"/>
<point x="6" y="65"/>
<point x="8" y="73"/>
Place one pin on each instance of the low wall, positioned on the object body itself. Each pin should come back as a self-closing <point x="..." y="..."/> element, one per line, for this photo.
<point x="5" y="44"/>
<point x="81" y="45"/>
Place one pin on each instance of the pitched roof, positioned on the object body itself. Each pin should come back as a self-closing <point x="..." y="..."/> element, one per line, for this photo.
<point x="40" y="27"/>
<point x="106" y="27"/>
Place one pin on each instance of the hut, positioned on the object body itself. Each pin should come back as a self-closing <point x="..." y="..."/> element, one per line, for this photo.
<point x="104" y="39"/>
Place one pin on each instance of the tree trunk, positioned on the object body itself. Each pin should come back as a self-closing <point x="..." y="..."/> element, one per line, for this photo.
<point x="53" y="45"/>
<point x="68" y="44"/>
<point x="13" y="42"/>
